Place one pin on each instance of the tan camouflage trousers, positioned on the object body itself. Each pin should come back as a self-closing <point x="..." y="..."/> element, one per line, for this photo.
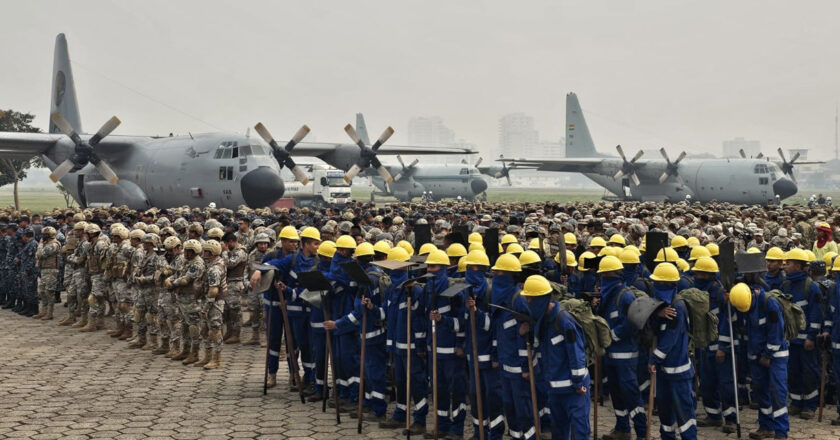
<point x="70" y="288"/>
<point x="98" y="295"/>
<point x="187" y="327"/>
<point x="211" y="324"/>
<point x="255" y="309"/>
<point x="47" y="285"/>
<point x="122" y="296"/>
<point x="168" y="316"/>
<point x="233" y="305"/>
<point x="82" y="287"/>
<point x="145" y="310"/>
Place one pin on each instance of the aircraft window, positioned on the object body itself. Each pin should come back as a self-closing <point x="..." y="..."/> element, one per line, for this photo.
<point x="762" y="181"/>
<point x="245" y="150"/>
<point x="761" y="169"/>
<point x="235" y="153"/>
<point x="226" y="153"/>
<point x="243" y="168"/>
<point x="229" y="173"/>
<point x="218" y="154"/>
<point x="464" y="171"/>
<point x="222" y="173"/>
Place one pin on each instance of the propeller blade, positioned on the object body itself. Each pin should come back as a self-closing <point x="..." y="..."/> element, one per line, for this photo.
<point x="263" y="132"/>
<point x="782" y="155"/>
<point x="66" y="128"/>
<point x="383" y="138"/>
<point x="665" y="155"/>
<point x="498" y="175"/>
<point x="507" y="176"/>
<point x="300" y="175"/>
<point x="301" y="133"/>
<point x="355" y="136"/>
<point x="109" y="126"/>
<point x="760" y="155"/>
<point x="637" y="156"/>
<point x="399" y="159"/>
<point x="107" y="172"/>
<point x="2" y="113"/>
<point x="680" y="157"/>
<point x="792" y="177"/>
<point x="793" y="159"/>
<point x="352" y="172"/>
<point x="618" y="175"/>
<point x="621" y="152"/>
<point x="398" y="176"/>
<point x="742" y="153"/>
<point x="383" y="172"/>
<point x="61" y="170"/>
<point x="635" y="179"/>
<point x="414" y="163"/>
<point x="478" y="162"/>
<point x="663" y="177"/>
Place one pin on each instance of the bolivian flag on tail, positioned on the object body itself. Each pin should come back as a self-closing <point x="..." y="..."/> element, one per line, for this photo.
<point x="571" y="127"/>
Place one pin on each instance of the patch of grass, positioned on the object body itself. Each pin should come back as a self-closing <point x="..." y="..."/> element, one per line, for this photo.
<point x="35" y="200"/>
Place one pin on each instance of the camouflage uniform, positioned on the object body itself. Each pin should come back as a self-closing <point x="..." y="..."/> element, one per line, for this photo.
<point x="255" y="300"/>
<point x="187" y="282"/>
<point x="236" y="262"/>
<point x="95" y="267"/>
<point x="168" y="305"/>
<point x="246" y="239"/>
<point x="47" y="258"/>
<point x="146" y="301"/>
<point x="80" y="280"/>
<point x="117" y="272"/>
<point x="67" y="252"/>
<point x="29" y="273"/>
<point x="213" y="308"/>
<point x="110" y="259"/>
<point x="134" y="263"/>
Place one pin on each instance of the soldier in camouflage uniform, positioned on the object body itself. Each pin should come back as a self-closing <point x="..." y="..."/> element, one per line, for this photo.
<point x="67" y="251"/>
<point x="95" y="267"/>
<point x="236" y="262"/>
<point x="245" y="235"/>
<point x="46" y="259"/>
<point x="28" y="272"/>
<point x="255" y="300"/>
<point x="187" y="287"/>
<point x="170" y="322"/>
<point x="80" y="279"/>
<point x="133" y="290"/>
<point x="215" y="292"/>
<point x="110" y="259"/>
<point x="145" y="301"/>
<point x="5" y="293"/>
<point x="119" y="254"/>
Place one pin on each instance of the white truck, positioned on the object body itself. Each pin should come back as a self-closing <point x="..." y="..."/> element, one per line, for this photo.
<point x="326" y="187"/>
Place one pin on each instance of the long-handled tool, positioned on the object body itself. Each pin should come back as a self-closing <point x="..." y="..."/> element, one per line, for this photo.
<point x="408" y="365"/>
<point x="597" y="389"/>
<point x="476" y="371"/>
<point x="533" y="388"/>
<point x="331" y="358"/>
<point x="824" y="355"/>
<point x="359" y="413"/>
<point x="290" y="347"/>
<point x="434" y="379"/>
<point x="651" y="394"/>
<point x="734" y="372"/>
<point x="267" y="347"/>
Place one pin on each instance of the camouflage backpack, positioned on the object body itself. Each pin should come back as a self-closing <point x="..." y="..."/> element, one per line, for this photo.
<point x="595" y="328"/>
<point x="703" y="324"/>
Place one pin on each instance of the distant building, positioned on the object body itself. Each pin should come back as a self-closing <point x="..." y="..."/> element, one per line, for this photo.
<point x="731" y="148"/>
<point x="518" y="137"/>
<point x="429" y="132"/>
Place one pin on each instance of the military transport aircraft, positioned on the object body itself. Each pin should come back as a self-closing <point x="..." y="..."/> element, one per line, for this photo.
<point x="744" y="180"/>
<point x="143" y="171"/>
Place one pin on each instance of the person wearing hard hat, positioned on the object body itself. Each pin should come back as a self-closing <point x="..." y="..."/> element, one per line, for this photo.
<point x="448" y="315"/>
<point x="455" y="252"/>
<point x="397" y="343"/>
<point x="622" y="355"/>
<point x="317" y="336"/>
<point x="670" y="358"/>
<point x="510" y="353"/>
<point x="825" y="240"/>
<point x="803" y="364"/>
<point x="478" y="300"/>
<point x="562" y="346"/>
<point x="680" y="244"/>
<point x="775" y="276"/>
<point x="596" y="244"/>
<point x="632" y="271"/>
<point x="570" y="278"/>
<point x="831" y="330"/>
<point x="716" y="375"/>
<point x="588" y="275"/>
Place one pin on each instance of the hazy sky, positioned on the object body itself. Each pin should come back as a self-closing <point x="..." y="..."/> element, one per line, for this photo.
<point x="679" y="74"/>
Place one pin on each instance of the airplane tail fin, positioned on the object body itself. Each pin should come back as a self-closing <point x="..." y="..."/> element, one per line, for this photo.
<point x="361" y="128"/>
<point x="63" y="87"/>
<point x="578" y="140"/>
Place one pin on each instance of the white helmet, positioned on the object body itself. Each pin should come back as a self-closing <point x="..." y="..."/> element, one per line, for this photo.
<point x="212" y="205"/>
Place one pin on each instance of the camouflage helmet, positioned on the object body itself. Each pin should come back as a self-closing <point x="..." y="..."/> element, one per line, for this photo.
<point x="171" y="242"/>
<point x="215" y="233"/>
<point x="180" y="224"/>
<point x="78" y="217"/>
<point x="136" y="234"/>
<point x="196" y="227"/>
<point x="153" y="229"/>
<point x="212" y="246"/>
<point x="122" y="233"/>
<point x="48" y="231"/>
<point x="168" y="230"/>
<point x="92" y="228"/>
<point x="152" y="238"/>
<point x="140" y="225"/>
<point x="80" y="226"/>
<point x="261" y="238"/>
<point x="193" y="245"/>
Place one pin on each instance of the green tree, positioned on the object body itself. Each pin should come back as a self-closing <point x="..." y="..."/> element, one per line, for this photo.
<point x="68" y="198"/>
<point x="13" y="170"/>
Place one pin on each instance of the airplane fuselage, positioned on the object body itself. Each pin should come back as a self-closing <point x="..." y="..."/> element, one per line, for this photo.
<point x="445" y="181"/>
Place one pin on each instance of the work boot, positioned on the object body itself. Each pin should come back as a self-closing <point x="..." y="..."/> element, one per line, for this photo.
<point x="391" y="424"/>
<point x="90" y="326"/>
<point x="415" y="429"/>
<point x="164" y="346"/>
<point x="215" y="361"/>
<point x="174" y="349"/>
<point x="115" y="333"/>
<point x="49" y="315"/>
<point x="707" y="421"/>
<point x="139" y="341"/>
<point x="806" y="414"/>
<point x="761" y="434"/>
<point x="41" y="313"/>
<point x="255" y="338"/>
<point x="208" y="352"/>
<point x="183" y="354"/>
<point x="81" y="322"/>
<point x="30" y="309"/>
<point x="728" y="428"/>
<point x="193" y="357"/>
<point x="151" y="344"/>
<point x="68" y="320"/>
<point x="794" y="410"/>
<point x="836" y="422"/>
<point x="127" y="331"/>
<point x="616" y="435"/>
<point x="110" y="309"/>
<point x="271" y="381"/>
<point x="100" y="323"/>
<point x="17" y="305"/>
<point x="233" y="338"/>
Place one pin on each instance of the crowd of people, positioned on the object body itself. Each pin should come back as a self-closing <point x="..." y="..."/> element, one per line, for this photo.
<point x="448" y="323"/>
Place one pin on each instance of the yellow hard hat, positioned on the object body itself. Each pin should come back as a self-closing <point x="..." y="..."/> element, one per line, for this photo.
<point x="508" y="263"/>
<point x="345" y="242"/>
<point x="693" y="242"/>
<point x="741" y="297"/>
<point x="326" y="249"/>
<point x="534" y="244"/>
<point x="609" y="251"/>
<point x="536" y="285"/>
<point x="363" y="250"/>
<point x="437" y="256"/>
<point x="310" y="232"/>
<point x="529" y="257"/>
<point x="456" y="250"/>
<point x="714" y="249"/>
<point x="836" y="265"/>
<point x="477" y="258"/>
<point x="683" y="265"/>
<point x="407" y="246"/>
<point x="571" y="261"/>
<point x="775" y="254"/>
<point x="476" y="247"/>
<point x="627" y="256"/>
<point x="666" y="254"/>
<point x="380" y="246"/>
<point x="475" y="237"/>
<point x="398" y="254"/>
<point x="753" y="250"/>
<point x="618" y="239"/>
<point x="634" y="249"/>
<point x="508" y="239"/>
<point x="570" y="238"/>
<point x="697" y="252"/>
<point x="290" y="233"/>
<point x="582" y="261"/>
<point x="597" y="242"/>
<point x="462" y="264"/>
<point x="609" y="264"/>
<point x="515" y="248"/>
<point x="665" y="272"/>
<point x="829" y="257"/>
<point x="706" y="264"/>
<point x="811" y="255"/>
<point x="678" y="241"/>
<point x="797" y="255"/>
<point x="426" y="248"/>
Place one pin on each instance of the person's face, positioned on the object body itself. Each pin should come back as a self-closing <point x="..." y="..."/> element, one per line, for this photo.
<point x="704" y="275"/>
<point x="434" y="268"/>
<point x="262" y="247"/>
<point x="774" y="265"/>
<point x="311" y="246"/>
<point x="243" y="226"/>
<point x="288" y="245"/>
<point x="792" y="267"/>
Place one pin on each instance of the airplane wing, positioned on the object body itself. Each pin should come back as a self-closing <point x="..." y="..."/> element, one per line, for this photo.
<point x="320" y="148"/>
<point x="26" y="145"/>
<point x="583" y="165"/>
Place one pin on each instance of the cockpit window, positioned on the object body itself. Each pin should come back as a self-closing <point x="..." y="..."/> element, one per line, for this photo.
<point x="761" y="169"/>
<point x="226" y="153"/>
<point x="464" y="171"/>
<point x="245" y="150"/>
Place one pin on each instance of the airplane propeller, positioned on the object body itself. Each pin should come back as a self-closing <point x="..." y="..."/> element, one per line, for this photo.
<point x="787" y="167"/>
<point x="478" y="162"/>
<point x="628" y="167"/>
<point x="283" y="155"/>
<point x="368" y="158"/>
<point x="672" y="168"/>
<point x="405" y="169"/>
<point x="744" y="154"/>
<point x="84" y="153"/>
<point x="504" y="172"/>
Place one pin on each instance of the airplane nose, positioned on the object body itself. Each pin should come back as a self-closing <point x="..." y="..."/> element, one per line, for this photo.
<point x="784" y="188"/>
<point x="262" y="187"/>
<point x="478" y="186"/>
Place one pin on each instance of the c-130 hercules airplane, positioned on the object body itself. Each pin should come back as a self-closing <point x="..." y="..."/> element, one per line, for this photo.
<point x="228" y="169"/>
<point x="741" y="180"/>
